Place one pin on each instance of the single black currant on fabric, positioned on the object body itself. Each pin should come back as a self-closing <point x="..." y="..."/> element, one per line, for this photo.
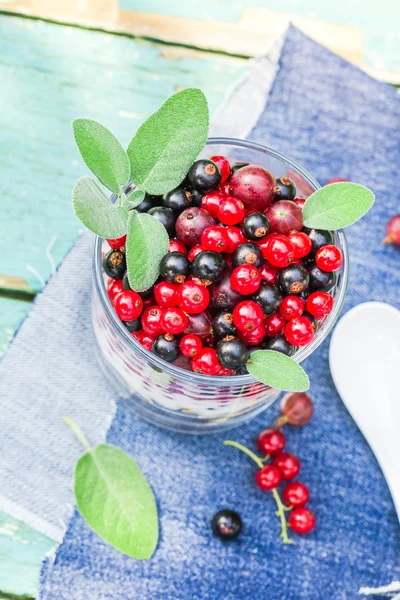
<point x="133" y="325"/>
<point x="255" y="226"/>
<point x="238" y="165"/>
<point x="268" y="297"/>
<point x="208" y="266"/>
<point x="166" y="346"/>
<point x="319" y="238"/>
<point x="223" y="324"/>
<point x="166" y="217"/>
<point x="204" y="175"/>
<point x="149" y="202"/>
<point x="293" y="279"/>
<point x="232" y="353"/>
<point x="280" y="344"/>
<point x="286" y="190"/>
<point x="226" y="524"/>
<point x="114" y="264"/>
<point x="319" y="280"/>
<point x="177" y="200"/>
<point x="247" y="253"/>
<point x="174" y="267"/>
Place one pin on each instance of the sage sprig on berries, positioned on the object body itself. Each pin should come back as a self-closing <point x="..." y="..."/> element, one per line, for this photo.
<point x="278" y="371"/>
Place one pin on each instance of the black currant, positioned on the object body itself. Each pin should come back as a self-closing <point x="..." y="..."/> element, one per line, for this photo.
<point x="208" y="266"/>
<point x="247" y="253"/>
<point x="280" y="344"/>
<point x="125" y="282"/>
<point x="268" y="297"/>
<point x="226" y="524"/>
<point x="319" y="238"/>
<point x="204" y="175"/>
<point x="293" y="279"/>
<point x="236" y="166"/>
<point x="223" y="324"/>
<point x="148" y="203"/>
<point x="286" y="187"/>
<point x="319" y="280"/>
<point x="114" y="264"/>
<point x="232" y="353"/>
<point x="174" y="267"/>
<point x="166" y="217"/>
<point x="255" y="226"/>
<point x="177" y="200"/>
<point x="166" y="346"/>
<point x="196" y="197"/>
<point x="133" y="325"/>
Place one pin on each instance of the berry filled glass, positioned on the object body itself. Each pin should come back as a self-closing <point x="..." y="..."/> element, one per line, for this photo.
<point x="179" y="350"/>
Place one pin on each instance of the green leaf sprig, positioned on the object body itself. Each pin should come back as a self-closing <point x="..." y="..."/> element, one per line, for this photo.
<point x="114" y="498"/>
<point x="278" y="371"/>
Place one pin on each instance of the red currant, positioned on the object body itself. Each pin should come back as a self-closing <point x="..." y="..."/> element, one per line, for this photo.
<point x="245" y="279"/>
<point x="247" y="315"/>
<point x="301" y="243"/>
<point x="225" y="188"/>
<point x="291" y="307"/>
<point x="193" y="252"/>
<point x="193" y="297"/>
<point x="302" y="520"/>
<point x="231" y="211"/>
<point x="177" y="246"/>
<point x="145" y="339"/>
<point x="297" y="409"/>
<point x="214" y="238"/>
<point x="190" y="345"/>
<point x="206" y="362"/>
<point x="271" y="441"/>
<point x="269" y="273"/>
<point x="166" y="293"/>
<point x="319" y="304"/>
<point x="224" y="372"/>
<point x="253" y="338"/>
<point x="174" y="320"/>
<point x="328" y="258"/>
<point x="152" y="320"/>
<point x="114" y="287"/>
<point x="300" y="202"/>
<point x="268" y="478"/>
<point x="211" y="201"/>
<point x="236" y="238"/>
<point x="117" y="243"/>
<point x="288" y="465"/>
<point x="295" y="494"/>
<point x="279" y="251"/>
<point x="274" y="325"/>
<point x="224" y="166"/>
<point x="128" y="305"/>
<point x="299" y="331"/>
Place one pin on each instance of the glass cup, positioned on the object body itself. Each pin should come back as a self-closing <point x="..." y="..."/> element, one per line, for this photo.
<point x="169" y="396"/>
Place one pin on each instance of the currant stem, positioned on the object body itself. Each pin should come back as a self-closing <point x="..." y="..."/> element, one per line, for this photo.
<point x="75" y="429"/>
<point x="281" y="421"/>
<point x="249" y="453"/>
<point x="281" y="514"/>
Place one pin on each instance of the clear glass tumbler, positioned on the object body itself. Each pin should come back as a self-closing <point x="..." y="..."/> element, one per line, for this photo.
<point x="167" y="395"/>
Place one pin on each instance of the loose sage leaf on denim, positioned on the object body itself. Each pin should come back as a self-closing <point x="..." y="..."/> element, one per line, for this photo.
<point x="96" y="211"/>
<point x="166" y="145"/>
<point x="102" y="153"/>
<point x="278" y="371"/>
<point x="337" y="205"/>
<point x="146" y="244"/>
<point x="134" y="199"/>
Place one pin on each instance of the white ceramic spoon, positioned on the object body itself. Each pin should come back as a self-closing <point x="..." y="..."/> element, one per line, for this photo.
<point x="364" y="357"/>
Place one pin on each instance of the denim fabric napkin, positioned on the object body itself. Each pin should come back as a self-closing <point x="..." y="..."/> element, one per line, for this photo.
<point x="336" y="121"/>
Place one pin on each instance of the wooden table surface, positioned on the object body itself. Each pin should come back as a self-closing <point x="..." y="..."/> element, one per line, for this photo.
<point x="52" y="73"/>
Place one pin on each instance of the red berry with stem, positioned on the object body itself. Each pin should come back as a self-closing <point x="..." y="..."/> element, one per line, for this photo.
<point x="254" y="186"/>
<point x="301" y="243"/>
<point x="254" y="337"/>
<point x="295" y="494"/>
<point x="114" y="287"/>
<point x="284" y="216"/>
<point x="152" y="320"/>
<point x="291" y="307"/>
<point x="231" y="211"/>
<point x="144" y="338"/>
<point x="128" y="305"/>
<point x="193" y="297"/>
<point x="224" y="166"/>
<point x="190" y="225"/>
<point x="236" y="238"/>
<point x="117" y="243"/>
<point x="245" y="279"/>
<point x="329" y="258"/>
<point x="177" y="246"/>
<point x="247" y="315"/>
<point x="393" y="231"/>
<point x="206" y="362"/>
<point x="268" y="478"/>
<point x="296" y="409"/>
<point x="271" y="441"/>
<point x="279" y="251"/>
<point x="190" y="345"/>
<point x="269" y="273"/>
<point x="174" y="321"/>
<point x="302" y="520"/>
<point x="274" y="325"/>
<point x="211" y="201"/>
<point x="299" y="331"/>
<point x="288" y="465"/>
<point x="319" y="304"/>
<point x="214" y="238"/>
<point x="166" y="294"/>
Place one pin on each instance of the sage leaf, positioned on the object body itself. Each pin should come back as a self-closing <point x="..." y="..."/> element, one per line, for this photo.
<point x="102" y="153"/>
<point x="166" y="145"/>
<point x="96" y="211"/>
<point x="278" y="371"/>
<point x="146" y="244"/>
<point x="134" y="199"/>
<point x="337" y="205"/>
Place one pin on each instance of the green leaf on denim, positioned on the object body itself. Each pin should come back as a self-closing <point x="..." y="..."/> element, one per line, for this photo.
<point x="134" y="199"/>
<point x="115" y="499"/>
<point x="278" y="371"/>
<point x="166" y="145"/>
<point x="337" y="205"/>
<point x="102" y="153"/>
<point x="96" y="211"/>
<point x="146" y="244"/>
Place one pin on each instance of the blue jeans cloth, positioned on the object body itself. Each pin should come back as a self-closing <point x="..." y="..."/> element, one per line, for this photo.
<point x="337" y="121"/>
